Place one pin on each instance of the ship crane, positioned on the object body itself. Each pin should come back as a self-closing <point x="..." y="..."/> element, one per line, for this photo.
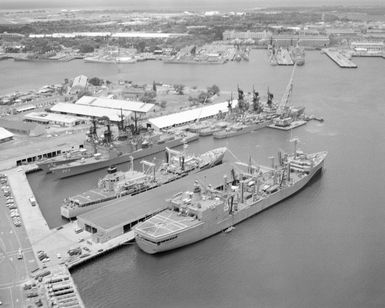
<point x="283" y="108"/>
<point x="148" y="168"/>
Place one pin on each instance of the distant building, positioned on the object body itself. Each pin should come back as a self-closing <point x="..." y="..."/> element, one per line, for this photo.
<point x="5" y="135"/>
<point x="25" y="108"/>
<point x="233" y="35"/>
<point x="46" y="118"/>
<point x="79" y="84"/>
<point x="368" y="48"/>
<point x="6" y="35"/>
<point x="19" y="127"/>
<point x="140" y="108"/>
<point x="190" y="116"/>
<point x="90" y="111"/>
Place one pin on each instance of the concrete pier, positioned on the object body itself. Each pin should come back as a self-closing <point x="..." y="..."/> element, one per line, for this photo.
<point x="53" y="243"/>
<point x="339" y="59"/>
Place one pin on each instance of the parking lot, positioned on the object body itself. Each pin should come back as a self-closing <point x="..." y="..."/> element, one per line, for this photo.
<point x="16" y="256"/>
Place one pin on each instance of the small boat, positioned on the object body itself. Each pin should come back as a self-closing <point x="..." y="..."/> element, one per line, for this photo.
<point x="229" y="229"/>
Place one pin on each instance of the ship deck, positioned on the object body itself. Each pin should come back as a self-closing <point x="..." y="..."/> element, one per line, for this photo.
<point x="91" y="195"/>
<point x="166" y="223"/>
<point x="129" y="209"/>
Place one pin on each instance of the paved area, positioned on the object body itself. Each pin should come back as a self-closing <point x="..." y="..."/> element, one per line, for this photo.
<point x="10" y="152"/>
<point x="14" y="271"/>
<point x="37" y="236"/>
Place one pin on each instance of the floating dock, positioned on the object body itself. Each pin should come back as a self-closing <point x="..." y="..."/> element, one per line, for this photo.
<point x="339" y="59"/>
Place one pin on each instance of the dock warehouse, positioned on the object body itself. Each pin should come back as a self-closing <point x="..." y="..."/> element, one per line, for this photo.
<point x="120" y="215"/>
<point x="89" y="111"/>
<point x="25" y="108"/>
<point x="19" y="127"/>
<point x="115" y="104"/>
<point x="189" y="116"/>
<point x="46" y="118"/>
<point x="5" y="135"/>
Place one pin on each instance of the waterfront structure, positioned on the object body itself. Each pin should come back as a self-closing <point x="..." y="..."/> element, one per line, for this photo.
<point x="131" y="34"/>
<point x="19" y="127"/>
<point x="5" y="135"/>
<point x="79" y="84"/>
<point x="90" y="111"/>
<point x="46" y="118"/>
<point x="25" y="108"/>
<point x="191" y="115"/>
<point x="207" y="210"/>
<point x="118" y="216"/>
<point x="138" y="107"/>
<point x="368" y="49"/>
<point x="245" y="36"/>
<point x="338" y="58"/>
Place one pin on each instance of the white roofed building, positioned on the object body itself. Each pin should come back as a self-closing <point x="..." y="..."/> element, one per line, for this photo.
<point x="90" y="111"/>
<point x="104" y="102"/>
<point x="46" y="118"/>
<point x="79" y="84"/>
<point x="5" y="135"/>
<point x="188" y="116"/>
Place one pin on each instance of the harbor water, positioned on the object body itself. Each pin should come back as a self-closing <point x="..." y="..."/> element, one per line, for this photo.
<point x="322" y="247"/>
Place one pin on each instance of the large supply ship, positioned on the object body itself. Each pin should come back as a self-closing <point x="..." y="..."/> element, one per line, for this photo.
<point x="117" y="183"/>
<point x="193" y="216"/>
<point x="118" y="152"/>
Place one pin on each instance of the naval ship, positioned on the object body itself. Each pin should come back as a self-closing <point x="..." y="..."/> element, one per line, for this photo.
<point x="117" y="183"/>
<point x="109" y="151"/>
<point x="63" y="158"/>
<point x="193" y="216"/>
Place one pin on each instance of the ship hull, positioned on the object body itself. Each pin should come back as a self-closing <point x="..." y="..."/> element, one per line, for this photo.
<point x="46" y="166"/>
<point x="67" y="171"/>
<point x="204" y="230"/>
<point x="245" y="130"/>
<point x="72" y="212"/>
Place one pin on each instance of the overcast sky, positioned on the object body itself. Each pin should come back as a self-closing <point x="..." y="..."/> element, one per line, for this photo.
<point x="197" y="5"/>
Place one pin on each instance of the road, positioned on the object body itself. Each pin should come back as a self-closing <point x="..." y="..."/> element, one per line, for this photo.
<point x="14" y="272"/>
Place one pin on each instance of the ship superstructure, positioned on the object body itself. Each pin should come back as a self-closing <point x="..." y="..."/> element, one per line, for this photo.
<point x="205" y="211"/>
<point x="117" y="183"/>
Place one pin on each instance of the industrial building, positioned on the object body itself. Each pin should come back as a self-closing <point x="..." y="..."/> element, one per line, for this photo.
<point x="368" y="48"/>
<point x="19" y="127"/>
<point x="79" y="84"/>
<point x="46" y="118"/>
<point x="138" y="107"/>
<point x="120" y="215"/>
<point x="25" y="108"/>
<point x="189" y="116"/>
<point x="5" y="135"/>
<point x="89" y="111"/>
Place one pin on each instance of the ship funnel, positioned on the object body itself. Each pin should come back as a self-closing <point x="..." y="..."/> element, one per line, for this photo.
<point x="167" y="156"/>
<point x="272" y="161"/>
<point x="280" y="158"/>
<point x="295" y="141"/>
<point x="225" y="182"/>
<point x="132" y="163"/>
<point x="197" y="192"/>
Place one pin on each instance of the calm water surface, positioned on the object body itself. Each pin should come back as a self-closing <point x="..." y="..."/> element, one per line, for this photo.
<point x="323" y="247"/>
